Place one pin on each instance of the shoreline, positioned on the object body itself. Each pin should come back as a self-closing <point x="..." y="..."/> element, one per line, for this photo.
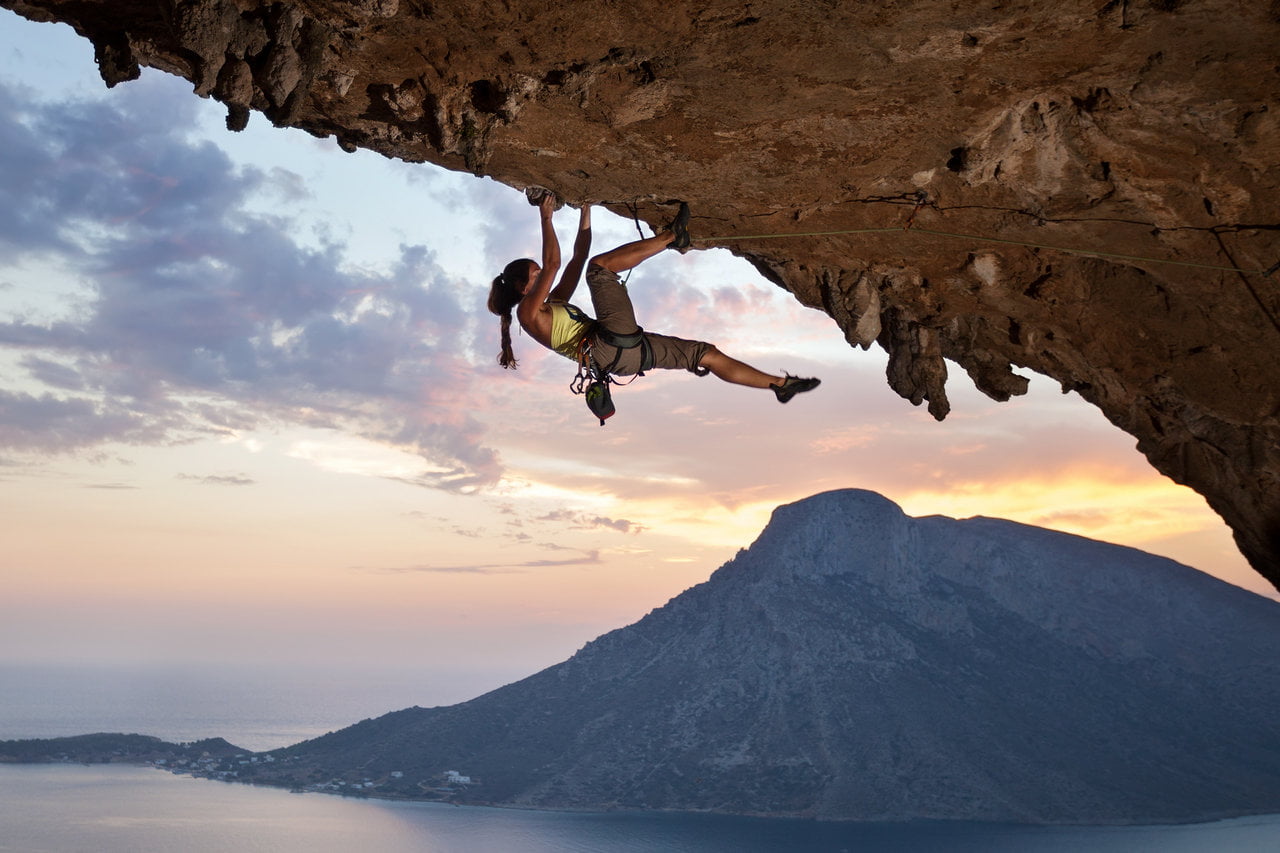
<point x="391" y="797"/>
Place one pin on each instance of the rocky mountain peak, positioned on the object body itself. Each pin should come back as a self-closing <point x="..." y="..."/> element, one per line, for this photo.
<point x="1010" y="674"/>
<point x="836" y="532"/>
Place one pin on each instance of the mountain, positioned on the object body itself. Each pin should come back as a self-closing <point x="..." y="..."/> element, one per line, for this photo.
<point x="1083" y="188"/>
<point x="857" y="663"/>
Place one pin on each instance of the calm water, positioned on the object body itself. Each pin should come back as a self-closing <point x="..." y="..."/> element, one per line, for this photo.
<point x="65" y="808"/>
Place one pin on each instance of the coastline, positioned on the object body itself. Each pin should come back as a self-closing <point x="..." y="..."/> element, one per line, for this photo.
<point x="145" y="751"/>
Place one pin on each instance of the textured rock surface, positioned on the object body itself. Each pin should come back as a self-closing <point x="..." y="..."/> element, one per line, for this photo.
<point x="855" y="663"/>
<point x="1140" y="128"/>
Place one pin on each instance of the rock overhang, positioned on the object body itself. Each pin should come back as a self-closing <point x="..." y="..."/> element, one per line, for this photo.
<point x="1090" y="187"/>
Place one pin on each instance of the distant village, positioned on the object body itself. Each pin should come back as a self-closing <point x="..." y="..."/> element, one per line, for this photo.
<point x="267" y="769"/>
<point x="217" y="759"/>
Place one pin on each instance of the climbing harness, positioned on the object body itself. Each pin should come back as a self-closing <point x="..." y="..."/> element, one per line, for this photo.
<point x="593" y="379"/>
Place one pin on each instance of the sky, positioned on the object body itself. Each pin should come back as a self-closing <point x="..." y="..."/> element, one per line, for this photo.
<point x="250" y="409"/>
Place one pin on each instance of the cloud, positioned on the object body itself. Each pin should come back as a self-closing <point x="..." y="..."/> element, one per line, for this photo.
<point x="53" y="373"/>
<point x="588" y="558"/>
<point x="585" y="521"/>
<point x="682" y="446"/>
<point x="843" y="438"/>
<point x="219" y="479"/>
<point x="49" y="423"/>
<point x="207" y="316"/>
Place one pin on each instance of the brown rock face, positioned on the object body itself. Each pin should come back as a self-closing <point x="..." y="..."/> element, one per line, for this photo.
<point x="1090" y="185"/>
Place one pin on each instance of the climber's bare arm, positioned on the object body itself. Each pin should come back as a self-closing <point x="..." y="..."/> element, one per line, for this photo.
<point x="534" y="302"/>
<point x="563" y="291"/>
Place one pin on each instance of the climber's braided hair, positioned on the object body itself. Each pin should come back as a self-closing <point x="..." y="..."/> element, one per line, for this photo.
<point x="504" y="294"/>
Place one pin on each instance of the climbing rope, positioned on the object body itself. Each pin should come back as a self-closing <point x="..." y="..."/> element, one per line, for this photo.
<point x="921" y="201"/>
<point x="933" y="232"/>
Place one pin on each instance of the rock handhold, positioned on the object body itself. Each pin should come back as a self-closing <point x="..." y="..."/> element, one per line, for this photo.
<point x="535" y="196"/>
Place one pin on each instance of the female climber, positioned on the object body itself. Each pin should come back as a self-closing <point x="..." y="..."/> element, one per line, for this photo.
<point x="613" y="341"/>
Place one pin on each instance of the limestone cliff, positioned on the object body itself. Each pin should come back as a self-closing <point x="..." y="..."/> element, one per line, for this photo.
<point x="1145" y="132"/>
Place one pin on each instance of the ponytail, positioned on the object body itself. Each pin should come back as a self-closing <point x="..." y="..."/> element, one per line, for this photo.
<point x="504" y="295"/>
<point x="507" y="358"/>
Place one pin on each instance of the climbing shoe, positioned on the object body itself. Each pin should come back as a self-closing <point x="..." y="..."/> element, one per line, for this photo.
<point x="793" y="385"/>
<point x="679" y="228"/>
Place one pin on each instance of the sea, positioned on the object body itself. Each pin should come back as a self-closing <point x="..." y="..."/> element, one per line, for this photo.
<point x="60" y="808"/>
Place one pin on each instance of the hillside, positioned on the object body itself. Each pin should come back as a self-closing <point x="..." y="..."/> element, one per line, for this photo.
<point x="855" y="663"/>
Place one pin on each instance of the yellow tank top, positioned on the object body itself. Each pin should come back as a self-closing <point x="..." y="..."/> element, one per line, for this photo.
<point x="567" y="332"/>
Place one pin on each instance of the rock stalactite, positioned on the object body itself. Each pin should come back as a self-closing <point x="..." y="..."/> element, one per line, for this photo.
<point x="1142" y="135"/>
